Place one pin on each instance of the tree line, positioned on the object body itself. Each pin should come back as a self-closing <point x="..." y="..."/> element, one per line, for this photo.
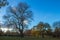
<point x="45" y="29"/>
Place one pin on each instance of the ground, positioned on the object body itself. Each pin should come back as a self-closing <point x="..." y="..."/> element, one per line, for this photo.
<point x="27" y="38"/>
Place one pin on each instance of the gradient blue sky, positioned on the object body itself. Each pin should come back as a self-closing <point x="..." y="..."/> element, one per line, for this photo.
<point x="44" y="10"/>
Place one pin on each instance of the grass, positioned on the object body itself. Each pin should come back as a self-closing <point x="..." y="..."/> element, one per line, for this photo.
<point x="27" y="38"/>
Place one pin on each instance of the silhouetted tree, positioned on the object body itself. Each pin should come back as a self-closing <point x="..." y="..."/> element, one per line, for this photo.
<point x="56" y="25"/>
<point x="3" y="3"/>
<point x="19" y="15"/>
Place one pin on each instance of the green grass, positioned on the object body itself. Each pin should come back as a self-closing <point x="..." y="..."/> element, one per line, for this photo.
<point x="27" y="38"/>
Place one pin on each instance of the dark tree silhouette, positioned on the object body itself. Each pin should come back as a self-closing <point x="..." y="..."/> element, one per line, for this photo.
<point x="3" y="3"/>
<point x="19" y="15"/>
<point x="56" y="25"/>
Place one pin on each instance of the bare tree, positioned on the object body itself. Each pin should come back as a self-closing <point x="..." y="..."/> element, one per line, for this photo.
<point x="19" y="16"/>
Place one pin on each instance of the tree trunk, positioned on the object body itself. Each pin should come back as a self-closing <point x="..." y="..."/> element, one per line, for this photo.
<point x="22" y="25"/>
<point x="22" y="34"/>
<point x="42" y="33"/>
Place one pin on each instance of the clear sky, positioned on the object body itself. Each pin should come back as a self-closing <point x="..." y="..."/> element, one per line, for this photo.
<point x="43" y="10"/>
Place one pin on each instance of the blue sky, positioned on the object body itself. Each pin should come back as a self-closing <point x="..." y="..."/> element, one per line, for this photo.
<point x="44" y="10"/>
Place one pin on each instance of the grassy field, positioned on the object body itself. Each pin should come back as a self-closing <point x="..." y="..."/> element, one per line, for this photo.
<point x="27" y="38"/>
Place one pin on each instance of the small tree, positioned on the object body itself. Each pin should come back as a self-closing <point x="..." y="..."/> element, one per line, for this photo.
<point x="43" y="27"/>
